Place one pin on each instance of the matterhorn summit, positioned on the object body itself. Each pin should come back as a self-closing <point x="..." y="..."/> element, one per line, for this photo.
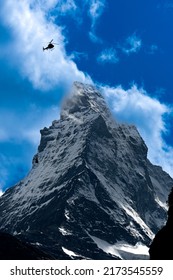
<point x="91" y="193"/>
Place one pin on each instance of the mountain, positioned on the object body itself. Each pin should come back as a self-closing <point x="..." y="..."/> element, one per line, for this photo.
<point x="91" y="193"/>
<point x="12" y="248"/>
<point x="161" y="247"/>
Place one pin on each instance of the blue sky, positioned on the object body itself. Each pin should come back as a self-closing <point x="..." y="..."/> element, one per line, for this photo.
<point x="124" y="46"/>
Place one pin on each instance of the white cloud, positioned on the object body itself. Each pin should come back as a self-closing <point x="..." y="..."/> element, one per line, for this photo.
<point x="44" y="4"/>
<point x="94" y="38"/>
<point x="108" y="56"/>
<point x="132" y="44"/>
<point x="135" y="106"/>
<point x="32" y="28"/>
<point x="96" y="10"/>
<point x="1" y="192"/>
<point x="66" y="6"/>
<point x="78" y="55"/>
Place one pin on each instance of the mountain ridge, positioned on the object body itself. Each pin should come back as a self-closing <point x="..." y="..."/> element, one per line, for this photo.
<point x="87" y="183"/>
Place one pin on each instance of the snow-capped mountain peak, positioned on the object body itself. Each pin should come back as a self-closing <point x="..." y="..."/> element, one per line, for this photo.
<point x="90" y="183"/>
<point x="84" y="100"/>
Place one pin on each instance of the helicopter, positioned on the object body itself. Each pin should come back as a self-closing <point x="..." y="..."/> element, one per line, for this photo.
<point x="50" y="46"/>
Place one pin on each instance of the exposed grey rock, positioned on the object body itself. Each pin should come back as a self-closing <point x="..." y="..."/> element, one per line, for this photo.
<point x="161" y="247"/>
<point x="91" y="184"/>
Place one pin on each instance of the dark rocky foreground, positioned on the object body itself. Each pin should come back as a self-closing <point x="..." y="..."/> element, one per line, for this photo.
<point x="12" y="248"/>
<point x="162" y="246"/>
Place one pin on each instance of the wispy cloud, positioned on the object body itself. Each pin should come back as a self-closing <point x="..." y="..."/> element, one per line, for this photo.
<point x="96" y="9"/>
<point x="132" y="44"/>
<point x="67" y="6"/>
<point x="135" y="106"/>
<point x="108" y="56"/>
<point x="94" y="38"/>
<point x="75" y="55"/>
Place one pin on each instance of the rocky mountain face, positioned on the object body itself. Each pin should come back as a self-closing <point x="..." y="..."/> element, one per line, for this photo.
<point x="161" y="247"/>
<point x="91" y="193"/>
<point x="12" y="248"/>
